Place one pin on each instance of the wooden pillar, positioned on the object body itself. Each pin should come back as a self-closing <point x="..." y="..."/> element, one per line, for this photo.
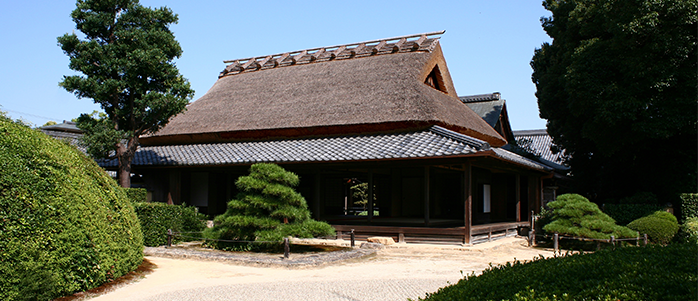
<point x="468" y="200"/>
<point x="317" y="195"/>
<point x="427" y="183"/>
<point x="518" y="198"/>
<point x="370" y="195"/>
<point x="174" y="189"/>
<point x="533" y="195"/>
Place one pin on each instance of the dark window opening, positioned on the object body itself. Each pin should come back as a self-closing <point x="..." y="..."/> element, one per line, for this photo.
<point x="435" y="80"/>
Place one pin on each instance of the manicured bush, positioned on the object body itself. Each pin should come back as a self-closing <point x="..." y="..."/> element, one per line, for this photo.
<point x="631" y="273"/>
<point x="136" y="194"/>
<point x="623" y="214"/>
<point x="65" y="225"/>
<point x="574" y="215"/>
<point x="266" y="209"/>
<point x="156" y="218"/>
<point x="660" y="226"/>
<point x="689" y="205"/>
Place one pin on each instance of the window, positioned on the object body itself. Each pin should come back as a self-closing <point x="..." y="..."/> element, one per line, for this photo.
<point x="435" y="80"/>
<point x="486" y="198"/>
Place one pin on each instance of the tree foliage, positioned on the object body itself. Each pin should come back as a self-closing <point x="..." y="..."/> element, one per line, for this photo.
<point x="617" y="87"/>
<point x="126" y="58"/>
<point x="267" y="209"/>
<point x="574" y="215"/>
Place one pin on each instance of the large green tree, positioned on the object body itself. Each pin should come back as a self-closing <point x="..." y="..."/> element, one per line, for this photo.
<point x="125" y="53"/>
<point x="617" y="86"/>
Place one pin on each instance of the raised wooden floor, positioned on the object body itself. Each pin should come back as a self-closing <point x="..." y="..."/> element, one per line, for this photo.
<point x="452" y="235"/>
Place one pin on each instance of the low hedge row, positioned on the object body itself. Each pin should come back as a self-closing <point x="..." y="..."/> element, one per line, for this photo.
<point x="156" y="218"/>
<point x="136" y="194"/>
<point x="631" y="273"/>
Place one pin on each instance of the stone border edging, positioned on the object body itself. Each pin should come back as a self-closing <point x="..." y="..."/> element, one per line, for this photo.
<point x="264" y="260"/>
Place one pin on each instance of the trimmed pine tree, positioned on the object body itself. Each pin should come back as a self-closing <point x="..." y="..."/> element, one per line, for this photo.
<point x="574" y="215"/>
<point x="267" y="208"/>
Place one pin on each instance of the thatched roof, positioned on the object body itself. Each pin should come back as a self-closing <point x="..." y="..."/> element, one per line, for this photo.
<point x="370" y="87"/>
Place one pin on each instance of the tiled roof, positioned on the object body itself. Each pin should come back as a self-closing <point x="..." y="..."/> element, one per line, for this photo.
<point x="512" y="157"/>
<point x="411" y="43"/>
<point x="69" y="137"/>
<point x="480" y="97"/>
<point x="433" y="142"/>
<point x="541" y="143"/>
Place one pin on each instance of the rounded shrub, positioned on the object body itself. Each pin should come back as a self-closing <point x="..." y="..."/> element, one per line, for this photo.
<point x="660" y="226"/>
<point x="65" y="224"/>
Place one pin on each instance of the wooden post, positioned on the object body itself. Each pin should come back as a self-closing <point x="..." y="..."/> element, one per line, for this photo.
<point x="339" y="235"/>
<point x="169" y="237"/>
<point x="426" y="196"/>
<point x="468" y="200"/>
<point x="613" y="240"/>
<point x="401" y="237"/>
<point x="644" y="239"/>
<point x="352" y="238"/>
<point x="556" y="237"/>
<point x="518" y="198"/>
<point x="370" y="196"/>
<point x="532" y="238"/>
<point x="287" y="248"/>
<point x="317" y="195"/>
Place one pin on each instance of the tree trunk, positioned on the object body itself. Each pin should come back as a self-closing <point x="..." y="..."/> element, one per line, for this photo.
<point x="124" y="171"/>
<point x="125" y="153"/>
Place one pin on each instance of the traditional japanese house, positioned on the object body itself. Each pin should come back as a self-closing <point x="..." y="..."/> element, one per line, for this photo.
<point x="375" y="130"/>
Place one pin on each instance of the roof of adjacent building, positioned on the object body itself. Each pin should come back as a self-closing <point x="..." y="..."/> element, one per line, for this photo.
<point x="429" y="143"/>
<point x="541" y="143"/>
<point x="491" y="108"/>
<point x="368" y="87"/>
<point x="66" y="131"/>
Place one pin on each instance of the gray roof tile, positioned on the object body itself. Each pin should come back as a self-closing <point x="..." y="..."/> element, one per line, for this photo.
<point x="435" y="141"/>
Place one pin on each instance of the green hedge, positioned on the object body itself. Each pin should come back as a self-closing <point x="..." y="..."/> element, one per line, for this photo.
<point x="156" y="218"/>
<point x="623" y="214"/>
<point x="65" y="224"/>
<point x="631" y="273"/>
<point x="136" y="194"/>
<point x="660" y="226"/>
<point x="689" y="205"/>
<point x="689" y="230"/>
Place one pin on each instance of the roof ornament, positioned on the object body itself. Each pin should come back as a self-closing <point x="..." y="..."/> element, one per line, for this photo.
<point x="411" y="43"/>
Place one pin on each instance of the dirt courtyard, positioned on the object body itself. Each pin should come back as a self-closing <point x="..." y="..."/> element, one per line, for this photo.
<point x="398" y="272"/>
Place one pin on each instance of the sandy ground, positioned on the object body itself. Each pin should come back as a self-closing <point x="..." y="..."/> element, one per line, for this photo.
<point x="395" y="273"/>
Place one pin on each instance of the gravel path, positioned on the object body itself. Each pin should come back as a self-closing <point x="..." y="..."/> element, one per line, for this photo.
<point x="398" y="272"/>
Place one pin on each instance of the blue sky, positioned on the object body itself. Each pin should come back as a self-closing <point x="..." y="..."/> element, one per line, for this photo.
<point x="488" y="44"/>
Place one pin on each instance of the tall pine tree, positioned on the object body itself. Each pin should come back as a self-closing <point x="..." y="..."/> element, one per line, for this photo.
<point x="126" y="58"/>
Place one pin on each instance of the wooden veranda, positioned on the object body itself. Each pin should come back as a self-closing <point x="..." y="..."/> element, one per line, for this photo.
<point x="452" y="235"/>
